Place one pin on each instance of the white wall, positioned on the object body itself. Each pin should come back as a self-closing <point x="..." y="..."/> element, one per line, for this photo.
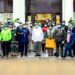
<point x="19" y="10"/>
<point x="67" y="10"/>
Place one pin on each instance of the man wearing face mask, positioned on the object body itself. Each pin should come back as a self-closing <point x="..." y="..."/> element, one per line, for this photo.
<point x="8" y="23"/>
<point x="50" y="42"/>
<point x="59" y="36"/>
<point x="69" y="43"/>
<point x="6" y="36"/>
<point x="37" y="37"/>
<point x="24" y="40"/>
<point x="44" y="29"/>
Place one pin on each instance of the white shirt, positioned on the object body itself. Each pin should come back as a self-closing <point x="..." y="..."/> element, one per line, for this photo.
<point x="37" y="34"/>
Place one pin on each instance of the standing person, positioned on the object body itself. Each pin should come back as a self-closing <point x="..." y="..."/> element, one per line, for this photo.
<point x="8" y="23"/>
<point x="73" y="31"/>
<point x="69" y="43"/>
<point x="59" y="36"/>
<point x="13" y="42"/>
<point x="6" y="37"/>
<point x="51" y="43"/>
<point x="17" y="22"/>
<point x="18" y="35"/>
<point x="0" y="43"/>
<point x="24" y="40"/>
<point x="44" y="29"/>
<point x="37" y="37"/>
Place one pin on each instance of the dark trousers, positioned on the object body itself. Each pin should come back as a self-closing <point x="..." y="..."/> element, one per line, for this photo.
<point x="67" y="50"/>
<point x="50" y="51"/>
<point x="6" y="48"/>
<point x="73" y="47"/>
<point x="59" y="45"/>
<point x="43" y="47"/>
<point x="24" y="48"/>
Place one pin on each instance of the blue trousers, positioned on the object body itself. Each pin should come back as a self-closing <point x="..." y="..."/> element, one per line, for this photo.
<point x="24" y="48"/>
<point x="67" y="50"/>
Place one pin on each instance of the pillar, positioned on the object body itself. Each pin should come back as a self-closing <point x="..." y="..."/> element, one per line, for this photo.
<point x="19" y="10"/>
<point x="67" y="10"/>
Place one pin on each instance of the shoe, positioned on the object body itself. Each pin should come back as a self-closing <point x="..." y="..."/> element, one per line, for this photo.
<point x="21" y="55"/>
<point x="37" y="55"/>
<point x="71" y="56"/>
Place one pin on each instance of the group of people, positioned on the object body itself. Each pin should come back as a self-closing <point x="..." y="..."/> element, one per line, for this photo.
<point x="57" y="40"/>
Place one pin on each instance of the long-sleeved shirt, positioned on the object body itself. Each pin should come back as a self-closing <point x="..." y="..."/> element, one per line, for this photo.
<point x="37" y="34"/>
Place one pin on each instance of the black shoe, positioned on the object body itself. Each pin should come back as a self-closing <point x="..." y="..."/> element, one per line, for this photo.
<point x="21" y="55"/>
<point x="64" y="56"/>
<point x="3" y="56"/>
<point x="71" y="56"/>
<point x="49" y="55"/>
<point x="37" y="55"/>
<point x="25" y="55"/>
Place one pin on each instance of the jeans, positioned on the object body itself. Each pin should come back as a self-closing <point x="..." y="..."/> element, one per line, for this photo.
<point x="67" y="50"/>
<point x="24" y="48"/>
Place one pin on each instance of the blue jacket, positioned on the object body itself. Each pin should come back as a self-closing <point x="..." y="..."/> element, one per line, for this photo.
<point x="72" y="39"/>
<point x="23" y="35"/>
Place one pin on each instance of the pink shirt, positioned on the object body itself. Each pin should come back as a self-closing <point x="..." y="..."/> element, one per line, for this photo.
<point x="68" y="37"/>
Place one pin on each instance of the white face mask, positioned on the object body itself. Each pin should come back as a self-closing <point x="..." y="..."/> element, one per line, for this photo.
<point x="63" y="23"/>
<point x="45" y="25"/>
<point x="24" y="26"/>
<point x="68" y="31"/>
<point x="53" y="24"/>
<point x="36" y="26"/>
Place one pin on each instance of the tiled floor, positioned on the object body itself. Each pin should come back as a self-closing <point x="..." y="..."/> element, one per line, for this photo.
<point x="37" y="66"/>
<point x="32" y="65"/>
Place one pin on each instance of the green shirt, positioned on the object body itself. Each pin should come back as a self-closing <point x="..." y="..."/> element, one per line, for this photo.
<point x="6" y="35"/>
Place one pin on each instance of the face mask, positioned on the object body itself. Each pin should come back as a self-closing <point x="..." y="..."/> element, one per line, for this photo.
<point x="63" y="23"/>
<point x="45" y="25"/>
<point x="24" y="26"/>
<point x="53" y="24"/>
<point x="50" y="28"/>
<point x="68" y="31"/>
<point x="14" y="28"/>
<point x="46" y="20"/>
<point x="20" y="27"/>
<point x="36" y="26"/>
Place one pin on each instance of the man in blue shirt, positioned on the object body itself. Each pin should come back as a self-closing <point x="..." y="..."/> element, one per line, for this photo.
<point x="24" y="40"/>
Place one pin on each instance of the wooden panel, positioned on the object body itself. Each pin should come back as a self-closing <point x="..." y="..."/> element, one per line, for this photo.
<point x="1" y="6"/>
<point x="45" y="6"/>
<point x="8" y="5"/>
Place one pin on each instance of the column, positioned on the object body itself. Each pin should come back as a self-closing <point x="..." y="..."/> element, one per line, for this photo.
<point x="19" y="10"/>
<point x="67" y="10"/>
